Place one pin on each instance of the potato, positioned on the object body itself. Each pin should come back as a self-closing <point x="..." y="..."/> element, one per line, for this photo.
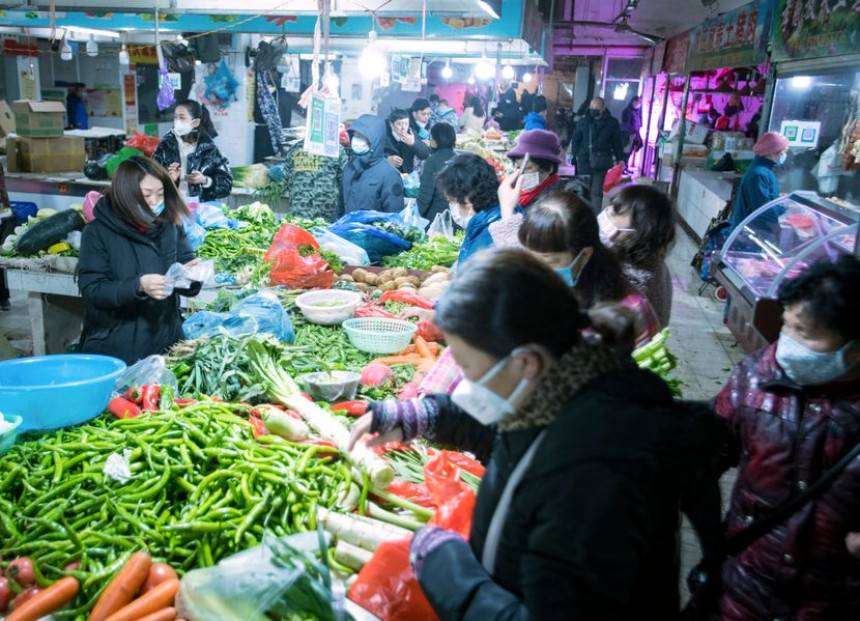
<point x="401" y="281"/>
<point x="360" y="275"/>
<point x="437" y="277"/>
<point x="414" y="280"/>
<point x="385" y="277"/>
<point x="387" y="286"/>
<point x="438" y="269"/>
<point x="372" y="279"/>
<point x="407" y="287"/>
<point x="399" y="272"/>
<point x="346" y="278"/>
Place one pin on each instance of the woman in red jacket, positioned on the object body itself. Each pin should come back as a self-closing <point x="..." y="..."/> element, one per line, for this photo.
<point x="794" y="410"/>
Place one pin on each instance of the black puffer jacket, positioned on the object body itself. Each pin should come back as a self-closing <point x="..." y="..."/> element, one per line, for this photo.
<point x="206" y="158"/>
<point x="121" y="321"/>
<point x="599" y="136"/>
<point x="591" y="532"/>
<point x="407" y="153"/>
<point x="432" y="200"/>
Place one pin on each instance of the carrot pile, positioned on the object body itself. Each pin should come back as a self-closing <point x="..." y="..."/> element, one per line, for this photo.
<point x="118" y="602"/>
<point x="422" y="354"/>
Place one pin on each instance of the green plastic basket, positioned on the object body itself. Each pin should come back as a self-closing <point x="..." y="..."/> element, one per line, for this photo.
<point x="377" y="335"/>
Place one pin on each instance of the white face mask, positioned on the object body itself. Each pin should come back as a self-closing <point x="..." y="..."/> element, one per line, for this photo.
<point x="807" y="367"/>
<point x="483" y="404"/>
<point x="531" y="180"/>
<point x="457" y="216"/>
<point x="182" y="128"/>
<point x="608" y="231"/>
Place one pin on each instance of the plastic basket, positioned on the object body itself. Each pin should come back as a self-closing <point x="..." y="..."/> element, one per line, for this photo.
<point x="376" y="335"/>
<point x="309" y="302"/>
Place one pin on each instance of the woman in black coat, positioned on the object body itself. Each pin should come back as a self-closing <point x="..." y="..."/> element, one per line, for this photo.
<point x="431" y="200"/>
<point x="591" y="452"/>
<point x="192" y="160"/>
<point x="131" y="310"/>
<point x="402" y="144"/>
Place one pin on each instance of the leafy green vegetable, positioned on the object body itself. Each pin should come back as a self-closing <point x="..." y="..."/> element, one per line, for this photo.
<point x="425" y="256"/>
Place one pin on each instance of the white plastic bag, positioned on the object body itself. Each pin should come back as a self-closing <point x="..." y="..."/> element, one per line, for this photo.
<point x="151" y="370"/>
<point x="412" y="216"/>
<point x="349" y="253"/>
<point x="443" y="226"/>
<point x="181" y="277"/>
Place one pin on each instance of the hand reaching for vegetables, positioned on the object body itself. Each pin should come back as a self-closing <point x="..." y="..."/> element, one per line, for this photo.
<point x="362" y="427"/>
<point x="509" y="194"/>
<point x="395" y="421"/>
<point x="154" y="285"/>
<point x="422" y="314"/>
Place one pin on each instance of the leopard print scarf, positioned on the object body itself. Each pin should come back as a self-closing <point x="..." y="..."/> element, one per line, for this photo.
<point x="583" y="363"/>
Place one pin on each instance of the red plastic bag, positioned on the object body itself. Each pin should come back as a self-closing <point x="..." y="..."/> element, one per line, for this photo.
<point x="454" y="499"/>
<point x="414" y="492"/>
<point x="413" y="299"/>
<point x="613" y="177"/>
<point x="429" y="332"/>
<point x="372" y="310"/>
<point x="143" y="143"/>
<point x="292" y="269"/>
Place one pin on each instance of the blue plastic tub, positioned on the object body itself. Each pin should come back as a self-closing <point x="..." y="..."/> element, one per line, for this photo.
<point x="48" y="392"/>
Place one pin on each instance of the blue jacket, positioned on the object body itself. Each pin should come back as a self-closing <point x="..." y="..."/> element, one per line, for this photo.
<point x="534" y="120"/>
<point x="478" y="232"/>
<point x="758" y="187"/>
<point x="370" y="183"/>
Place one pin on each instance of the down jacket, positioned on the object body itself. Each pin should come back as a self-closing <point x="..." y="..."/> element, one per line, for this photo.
<point x="206" y="158"/>
<point x="785" y="438"/>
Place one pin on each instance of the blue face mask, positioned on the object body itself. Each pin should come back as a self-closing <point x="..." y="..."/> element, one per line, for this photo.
<point x="156" y="211"/>
<point x="360" y="146"/>
<point x="567" y="272"/>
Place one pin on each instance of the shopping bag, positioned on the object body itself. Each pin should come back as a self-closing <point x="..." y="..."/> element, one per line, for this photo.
<point x="442" y="226"/>
<point x="144" y="143"/>
<point x="613" y="177"/>
<point x="295" y="262"/>
<point x="412" y="216"/>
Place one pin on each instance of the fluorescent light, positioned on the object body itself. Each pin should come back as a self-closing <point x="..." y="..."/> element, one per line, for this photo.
<point x="508" y="72"/>
<point x="372" y="62"/>
<point x="94" y="31"/>
<point x="527" y="77"/>
<point x="491" y="7"/>
<point x="447" y="72"/>
<point x="66" y="51"/>
<point x="471" y="79"/>
<point x="92" y="47"/>
<point x="800" y="81"/>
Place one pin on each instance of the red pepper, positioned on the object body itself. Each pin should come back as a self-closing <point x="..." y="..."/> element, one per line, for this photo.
<point x="151" y="395"/>
<point x="334" y="452"/>
<point x="353" y="408"/>
<point x="135" y="395"/>
<point x="413" y="299"/>
<point x="123" y="408"/>
<point x="185" y="401"/>
<point x="257" y="427"/>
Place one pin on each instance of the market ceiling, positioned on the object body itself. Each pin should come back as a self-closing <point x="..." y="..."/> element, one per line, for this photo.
<point x="596" y="22"/>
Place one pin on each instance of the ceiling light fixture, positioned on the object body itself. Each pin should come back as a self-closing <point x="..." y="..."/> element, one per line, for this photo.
<point x="447" y="72"/>
<point x="92" y="47"/>
<point x="66" y="51"/>
<point x="484" y="70"/>
<point x="508" y="72"/>
<point x="123" y="56"/>
<point x="527" y="78"/>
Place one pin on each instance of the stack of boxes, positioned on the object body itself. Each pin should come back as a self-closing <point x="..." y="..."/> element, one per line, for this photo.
<point x="38" y="144"/>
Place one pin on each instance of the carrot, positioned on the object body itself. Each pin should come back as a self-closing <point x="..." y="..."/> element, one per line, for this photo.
<point x="44" y="603"/>
<point x="165" y="614"/>
<point x="158" y="598"/>
<point x="392" y="360"/>
<point x="123" y="587"/>
<point x="421" y="346"/>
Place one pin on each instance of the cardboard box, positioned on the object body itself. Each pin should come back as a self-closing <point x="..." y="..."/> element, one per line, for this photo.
<point x="46" y="155"/>
<point x="39" y="119"/>
<point x="7" y="119"/>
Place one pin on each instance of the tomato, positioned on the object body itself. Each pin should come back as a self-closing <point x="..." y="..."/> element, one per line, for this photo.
<point x="21" y="571"/>
<point x="25" y="595"/>
<point x="158" y="573"/>
<point x="6" y="594"/>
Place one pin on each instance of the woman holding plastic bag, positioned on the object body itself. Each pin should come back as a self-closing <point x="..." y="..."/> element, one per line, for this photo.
<point x="137" y="237"/>
<point x="577" y="515"/>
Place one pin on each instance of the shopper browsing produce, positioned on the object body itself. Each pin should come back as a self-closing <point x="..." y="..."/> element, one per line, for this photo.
<point x="473" y="118"/>
<point x="402" y="144"/>
<point x="369" y="183"/>
<point x="132" y="311"/>
<point x="638" y="225"/>
<point x="431" y="200"/>
<point x="191" y="158"/>
<point x="759" y="185"/>
<point x="794" y="411"/>
<point x="577" y="514"/>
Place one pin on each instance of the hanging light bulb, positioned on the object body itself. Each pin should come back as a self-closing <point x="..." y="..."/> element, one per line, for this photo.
<point x="484" y="70"/>
<point x="123" y="55"/>
<point x="471" y="79"/>
<point x="372" y="62"/>
<point x="92" y="47"/>
<point x="508" y="72"/>
<point x="66" y="51"/>
<point x="527" y="77"/>
<point x="447" y="72"/>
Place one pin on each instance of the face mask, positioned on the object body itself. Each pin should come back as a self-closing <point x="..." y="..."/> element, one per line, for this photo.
<point x="531" y="181"/>
<point x="608" y="231"/>
<point x="483" y="404"/>
<point x="182" y="128"/>
<point x="807" y="367"/>
<point x="567" y="272"/>
<point x="157" y="209"/>
<point x="782" y="159"/>
<point x="595" y="113"/>
<point x="458" y="218"/>
<point x="360" y="146"/>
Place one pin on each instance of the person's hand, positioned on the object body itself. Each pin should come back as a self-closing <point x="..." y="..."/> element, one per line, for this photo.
<point x="422" y="314"/>
<point x="430" y="143"/>
<point x="395" y="160"/>
<point x="192" y="263"/>
<point x="408" y="137"/>
<point x="852" y="542"/>
<point x="154" y="285"/>
<point x="509" y="193"/>
<point x="174" y="171"/>
<point x="362" y="427"/>
<point x="195" y="178"/>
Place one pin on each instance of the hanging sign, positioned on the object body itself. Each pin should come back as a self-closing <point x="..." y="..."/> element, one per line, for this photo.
<point x="322" y="134"/>
<point x="734" y="39"/>
<point x="815" y="28"/>
<point x="675" y="58"/>
<point x="801" y="133"/>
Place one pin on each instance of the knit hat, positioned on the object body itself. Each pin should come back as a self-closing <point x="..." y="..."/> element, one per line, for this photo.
<point x="539" y="144"/>
<point x="770" y="144"/>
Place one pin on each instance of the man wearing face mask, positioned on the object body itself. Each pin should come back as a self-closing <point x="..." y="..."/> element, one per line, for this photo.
<point x="759" y="185"/>
<point x="577" y="514"/>
<point x="597" y="145"/>
<point x="369" y="181"/>
<point x="794" y="411"/>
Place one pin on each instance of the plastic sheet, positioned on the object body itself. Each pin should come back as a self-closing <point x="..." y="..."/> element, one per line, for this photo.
<point x="348" y="252"/>
<point x="356" y="227"/>
<point x="151" y="370"/>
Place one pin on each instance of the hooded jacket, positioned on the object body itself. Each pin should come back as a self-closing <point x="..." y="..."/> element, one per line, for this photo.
<point x="370" y="183"/>
<point x="534" y="120"/>
<point x="120" y="320"/>
<point x="206" y="158"/>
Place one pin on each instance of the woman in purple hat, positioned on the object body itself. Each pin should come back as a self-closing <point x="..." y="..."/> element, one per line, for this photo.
<point x="540" y="177"/>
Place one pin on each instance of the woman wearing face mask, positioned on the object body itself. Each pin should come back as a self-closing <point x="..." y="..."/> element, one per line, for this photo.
<point x="759" y="185"/>
<point x="137" y="234"/>
<point x="192" y="160"/>
<point x="471" y="187"/>
<point x="369" y="183"/>
<point x="577" y="514"/>
<point x="431" y="200"/>
<point x="638" y="225"/>
<point x="402" y="144"/>
<point x="540" y="177"/>
<point x="794" y="411"/>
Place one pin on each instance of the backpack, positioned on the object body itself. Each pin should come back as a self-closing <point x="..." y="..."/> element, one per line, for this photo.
<point x="712" y="242"/>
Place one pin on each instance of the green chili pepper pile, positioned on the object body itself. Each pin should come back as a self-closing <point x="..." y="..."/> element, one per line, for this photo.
<point x="201" y="488"/>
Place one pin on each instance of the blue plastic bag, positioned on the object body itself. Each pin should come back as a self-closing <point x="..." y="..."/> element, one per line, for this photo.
<point x="354" y="227"/>
<point x="349" y="253"/>
<point x="211" y="216"/>
<point x="366" y="217"/>
<point x="261" y="312"/>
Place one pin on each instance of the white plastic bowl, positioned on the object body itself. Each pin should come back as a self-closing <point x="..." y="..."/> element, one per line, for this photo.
<point x="328" y="307"/>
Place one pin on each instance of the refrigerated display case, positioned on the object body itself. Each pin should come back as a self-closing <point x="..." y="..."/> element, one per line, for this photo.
<point x="778" y="242"/>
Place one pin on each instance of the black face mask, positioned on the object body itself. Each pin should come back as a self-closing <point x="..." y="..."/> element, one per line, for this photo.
<point x="595" y="113"/>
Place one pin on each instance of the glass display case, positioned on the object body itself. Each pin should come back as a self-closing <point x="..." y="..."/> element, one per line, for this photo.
<point x="775" y="243"/>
